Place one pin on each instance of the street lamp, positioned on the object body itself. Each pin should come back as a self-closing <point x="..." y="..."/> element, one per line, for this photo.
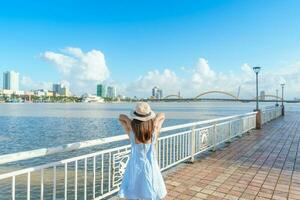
<point x="282" y="88"/>
<point x="256" y="71"/>
<point x="282" y="106"/>
<point x="277" y="97"/>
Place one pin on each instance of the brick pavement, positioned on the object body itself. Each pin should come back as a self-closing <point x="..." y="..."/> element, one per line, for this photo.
<point x="263" y="164"/>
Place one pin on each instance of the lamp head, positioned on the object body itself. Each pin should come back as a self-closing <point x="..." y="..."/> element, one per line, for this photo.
<point x="282" y="84"/>
<point x="256" y="69"/>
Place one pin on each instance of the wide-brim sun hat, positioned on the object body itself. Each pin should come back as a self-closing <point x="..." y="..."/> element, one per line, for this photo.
<point x="142" y="112"/>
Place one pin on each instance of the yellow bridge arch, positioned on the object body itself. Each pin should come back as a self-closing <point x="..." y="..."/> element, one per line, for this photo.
<point x="218" y="92"/>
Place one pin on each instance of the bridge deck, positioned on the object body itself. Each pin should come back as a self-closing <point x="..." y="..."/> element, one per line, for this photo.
<point x="264" y="164"/>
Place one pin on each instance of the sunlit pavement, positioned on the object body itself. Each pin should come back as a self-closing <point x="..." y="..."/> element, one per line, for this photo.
<point x="263" y="164"/>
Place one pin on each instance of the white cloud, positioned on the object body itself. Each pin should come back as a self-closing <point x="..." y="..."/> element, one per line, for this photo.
<point x="203" y="78"/>
<point x="82" y="70"/>
<point x="167" y="80"/>
<point x="27" y="84"/>
<point x="203" y="72"/>
<point x="63" y="63"/>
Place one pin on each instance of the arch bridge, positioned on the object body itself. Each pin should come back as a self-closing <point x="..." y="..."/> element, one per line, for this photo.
<point x="217" y="92"/>
<point x="178" y="96"/>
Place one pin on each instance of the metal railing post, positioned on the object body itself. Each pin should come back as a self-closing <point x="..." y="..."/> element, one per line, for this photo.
<point x="230" y="131"/>
<point x="193" y="138"/>
<point x="215" y="137"/>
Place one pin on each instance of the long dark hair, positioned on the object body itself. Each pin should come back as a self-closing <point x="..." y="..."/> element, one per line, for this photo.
<point x="142" y="130"/>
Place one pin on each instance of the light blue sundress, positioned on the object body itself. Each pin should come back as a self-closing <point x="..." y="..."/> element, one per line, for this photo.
<point x="142" y="178"/>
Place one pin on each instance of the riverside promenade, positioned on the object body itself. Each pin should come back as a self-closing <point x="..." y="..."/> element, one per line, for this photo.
<point x="263" y="164"/>
<point x="231" y="159"/>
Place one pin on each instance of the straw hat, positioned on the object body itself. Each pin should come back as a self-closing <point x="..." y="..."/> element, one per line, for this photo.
<point x="142" y="112"/>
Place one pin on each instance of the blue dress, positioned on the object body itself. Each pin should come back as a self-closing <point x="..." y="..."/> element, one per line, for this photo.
<point x="142" y="178"/>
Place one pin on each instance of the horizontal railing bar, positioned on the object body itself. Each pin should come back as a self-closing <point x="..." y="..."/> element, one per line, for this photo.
<point x="107" y="194"/>
<point x="52" y="164"/>
<point x="54" y="150"/>
<point x="25" y="155"/>
<point x="205" y="122"/>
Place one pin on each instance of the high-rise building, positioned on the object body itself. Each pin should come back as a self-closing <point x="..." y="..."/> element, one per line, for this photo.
<point x="111" y="92"/>
<point x="56" y="88"/>
<point x="60" y="89"/>
<point x="154" y="91"/>
<point x="11" y="81"/>
<point x="157" y="93"/>
<point x="101" y="90"/>
<point x="262" y="95"/>
<point x="160" y="93"/>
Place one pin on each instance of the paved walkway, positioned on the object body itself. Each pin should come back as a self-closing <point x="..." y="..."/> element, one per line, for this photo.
<point x="264" y="164"/>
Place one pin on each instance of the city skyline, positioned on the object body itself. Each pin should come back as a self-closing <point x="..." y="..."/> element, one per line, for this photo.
<point x="204" y="45"/>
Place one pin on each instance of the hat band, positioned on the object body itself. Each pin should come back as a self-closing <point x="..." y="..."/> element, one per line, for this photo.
<point x="139" y="115"/>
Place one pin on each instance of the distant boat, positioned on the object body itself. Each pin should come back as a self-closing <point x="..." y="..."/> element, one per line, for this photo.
<point x="88" y="98"/>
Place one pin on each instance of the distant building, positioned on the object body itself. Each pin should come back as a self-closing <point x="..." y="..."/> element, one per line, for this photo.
<point x="154" y="91"/>
<point x="29" y="93"/>
<point x="106" y="91"/>
<point x="49" y="93"/>
<point x="121" y="97"/>
<point x="262" y="95"/>
<point x="19" y="92"/>
<point x="7" y="92"/>
<point x="157" y="93"/>
<point x="160" y="92"/>
<point x="60" y="90"/>
<point x="101" y="90"/>
<point x="11" y="81"/>
<point x="88" y="98"/>
<point x="111" y="92"/>
<point x="39" y="93"/>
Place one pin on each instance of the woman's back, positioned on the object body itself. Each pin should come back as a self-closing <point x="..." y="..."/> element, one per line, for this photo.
<point x="142" y="178"/>
<point x="143" y="150"/>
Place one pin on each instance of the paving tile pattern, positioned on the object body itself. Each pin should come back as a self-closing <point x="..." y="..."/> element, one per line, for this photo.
<point x="262" y="164"/>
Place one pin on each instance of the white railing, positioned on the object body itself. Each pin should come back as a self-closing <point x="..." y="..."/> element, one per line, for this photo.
<point x="270" y="113"/>
<point x="97" y="175"/>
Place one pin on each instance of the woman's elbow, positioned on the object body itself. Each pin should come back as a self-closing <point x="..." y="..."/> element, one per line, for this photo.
<point x="162" y="116"/>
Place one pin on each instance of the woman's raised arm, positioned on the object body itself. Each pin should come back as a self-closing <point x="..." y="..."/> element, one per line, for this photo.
<point x="159" y="120"/>
<point x="126" y="123"/>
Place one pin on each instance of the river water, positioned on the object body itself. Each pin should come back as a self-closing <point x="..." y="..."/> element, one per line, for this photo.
<point x="32" y="126"/>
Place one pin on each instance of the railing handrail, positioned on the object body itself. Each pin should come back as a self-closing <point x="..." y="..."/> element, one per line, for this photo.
<point x="25" y="155"/>
<point x="270" y="107"/>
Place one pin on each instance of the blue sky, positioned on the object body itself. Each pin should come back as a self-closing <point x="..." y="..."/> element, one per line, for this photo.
<point x="138" y="37"/>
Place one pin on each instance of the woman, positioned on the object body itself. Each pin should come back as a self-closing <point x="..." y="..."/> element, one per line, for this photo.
<point x="142" y="178"/>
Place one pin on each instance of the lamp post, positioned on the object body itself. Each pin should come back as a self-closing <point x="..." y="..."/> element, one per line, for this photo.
<point x="277" y="98"/>
<point x="256" y="71"/>
<point x="282" y="90"/>
<point x="258" y="113"/>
